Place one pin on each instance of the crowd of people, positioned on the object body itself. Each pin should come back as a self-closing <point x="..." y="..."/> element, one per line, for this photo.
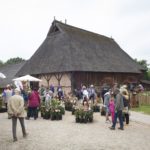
<point x="115" y="101"/>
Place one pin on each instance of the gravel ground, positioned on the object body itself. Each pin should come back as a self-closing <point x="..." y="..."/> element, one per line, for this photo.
<point x="68" y="135"/>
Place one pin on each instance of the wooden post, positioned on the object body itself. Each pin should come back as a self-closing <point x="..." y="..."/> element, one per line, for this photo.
<point x="72" y="82"/>
<point x="47" y="78"/>
<point x="58" y="76"/>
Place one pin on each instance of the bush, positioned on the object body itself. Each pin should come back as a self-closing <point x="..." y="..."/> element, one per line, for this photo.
<point x="83" y="116"/>
<point x="68" y="106"/>
<point x="53" y="111"/>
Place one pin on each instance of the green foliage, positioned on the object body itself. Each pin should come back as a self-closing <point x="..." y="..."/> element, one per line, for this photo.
<point x="14" y="60"/>
<point x="148" y="74"/>
<point x="143" y="108"/>
<point x="83" y="116"/>
<point x="52" y="110"/>
<point x="145" y="65"/>
<point x="1" y="63"/>
<point x="11" y="61"/>
<point x="68" y="106"/>
<point x="55" y="103"/>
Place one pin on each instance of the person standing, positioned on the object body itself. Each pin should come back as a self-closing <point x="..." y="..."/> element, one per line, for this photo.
<point x="106" y="104"/>
<point x="52" y="88"/>
<point x="60" y="92"/>
<point x="33" y="104"/>
<point x="7" y="94"/>
<point x="112" y="107"/>
<point x="92" y="93"/>
<point x="125" y="94"/>
<point x="16" y="111"/>
<point x="118" y="109"/>
<point x="85" y="92"/>
<point x="42" y="92"/>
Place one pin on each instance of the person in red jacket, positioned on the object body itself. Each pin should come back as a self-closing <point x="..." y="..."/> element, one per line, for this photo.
<point x="33" y="104"/>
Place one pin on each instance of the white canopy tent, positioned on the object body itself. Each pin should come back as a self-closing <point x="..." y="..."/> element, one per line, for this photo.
<point x="2" y="75"/>
<point x="27" y="78"/>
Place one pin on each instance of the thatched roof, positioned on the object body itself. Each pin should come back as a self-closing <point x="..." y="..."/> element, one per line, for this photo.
<point x="67" y="48"/>
<point x="145" y="82"/>
<point x="10" y="72"/>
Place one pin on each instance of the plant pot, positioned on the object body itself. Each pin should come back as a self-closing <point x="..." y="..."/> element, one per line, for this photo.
<point x="58" y="117"/>
<point x="46" y="116"/>
<point x="85" y="120"/>
<point x="81" y="120"/>
<point x="53" y="117"/>
<point x="90" y="119"/>
<point x="2" y="110"/>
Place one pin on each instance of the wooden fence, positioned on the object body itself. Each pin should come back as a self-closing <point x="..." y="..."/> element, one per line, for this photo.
<point x="143" y="99"/>
<point x="137" y="99"/>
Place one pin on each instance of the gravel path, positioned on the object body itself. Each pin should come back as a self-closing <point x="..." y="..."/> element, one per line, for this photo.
<point x="140" y="117"/>
<point x="68" y="135"/>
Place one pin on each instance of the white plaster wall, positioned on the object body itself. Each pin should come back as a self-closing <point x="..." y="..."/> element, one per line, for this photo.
<point x="65" y="82"/>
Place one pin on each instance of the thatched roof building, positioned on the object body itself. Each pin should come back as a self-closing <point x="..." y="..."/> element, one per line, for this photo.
<point x="10" y="72"/>
<point x="85" y="57"/>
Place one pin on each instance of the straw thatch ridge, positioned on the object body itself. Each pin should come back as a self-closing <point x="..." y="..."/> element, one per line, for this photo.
<point x="67" y="48"/>
<point x="10" y="72"/>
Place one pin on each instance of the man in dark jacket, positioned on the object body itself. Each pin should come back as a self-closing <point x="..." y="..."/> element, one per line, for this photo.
<point x="118" y="110"/>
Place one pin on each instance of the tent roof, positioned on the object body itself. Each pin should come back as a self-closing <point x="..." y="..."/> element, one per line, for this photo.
<point x="27" y="78"/>
<point x="10" y="72"/>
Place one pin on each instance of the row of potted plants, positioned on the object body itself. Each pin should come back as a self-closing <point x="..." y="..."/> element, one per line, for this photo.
<point x="53" y="111"/>
<point x="69" y="104"/>
<point x="82" y="116"/>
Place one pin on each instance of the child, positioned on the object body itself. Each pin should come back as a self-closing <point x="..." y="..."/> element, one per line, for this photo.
<point x="112" y="107"/>
<point x="85" y="104"/>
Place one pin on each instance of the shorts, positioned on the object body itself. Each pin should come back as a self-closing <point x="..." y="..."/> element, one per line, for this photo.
<point x="107" y="109"/>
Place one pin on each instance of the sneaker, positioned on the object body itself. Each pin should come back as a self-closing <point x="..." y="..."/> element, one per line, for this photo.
<point x="111" y="128"/>
<point x="15" y="140"/>
<point x="120" y="128"/>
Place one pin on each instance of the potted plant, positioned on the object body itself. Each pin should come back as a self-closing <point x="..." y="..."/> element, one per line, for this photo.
<point x="83" y="116"/>
<point x="56" y="110"/>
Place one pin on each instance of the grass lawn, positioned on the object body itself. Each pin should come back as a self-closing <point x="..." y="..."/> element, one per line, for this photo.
<point x="143" y="108"/>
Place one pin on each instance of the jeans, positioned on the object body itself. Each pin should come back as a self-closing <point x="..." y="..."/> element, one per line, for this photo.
<point x="118" y="114"/>
<point x="32" y="112"/>
<point x="126" y="118"/>
<point x="14" y="125"/>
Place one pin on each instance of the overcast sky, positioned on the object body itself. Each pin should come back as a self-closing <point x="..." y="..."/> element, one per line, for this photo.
<point x="24" y="23"/>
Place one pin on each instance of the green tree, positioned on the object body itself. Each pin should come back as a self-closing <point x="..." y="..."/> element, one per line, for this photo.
<point x="143" y="63"/>
<point x="148" y="74"/>
<point x="146" y="67"/>
<point x="14" y="60"/>
<point x="1" y="63"/>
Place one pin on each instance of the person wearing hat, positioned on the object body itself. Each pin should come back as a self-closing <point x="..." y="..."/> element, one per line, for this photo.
<point x="125" y="95"/>
<point x="16" y="111"/>
<point x="118" y="110"/>
<point x="85" y="92"/>
<point x="92" y="93"/>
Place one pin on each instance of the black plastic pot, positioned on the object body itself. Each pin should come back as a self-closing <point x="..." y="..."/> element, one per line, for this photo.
<point x="2" y="110"/>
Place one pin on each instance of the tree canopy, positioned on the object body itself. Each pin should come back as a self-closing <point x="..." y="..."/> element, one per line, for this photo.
<point x="11" y="61"/>
<point x="146" y="67"/>
<point x="143" y="63"/>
